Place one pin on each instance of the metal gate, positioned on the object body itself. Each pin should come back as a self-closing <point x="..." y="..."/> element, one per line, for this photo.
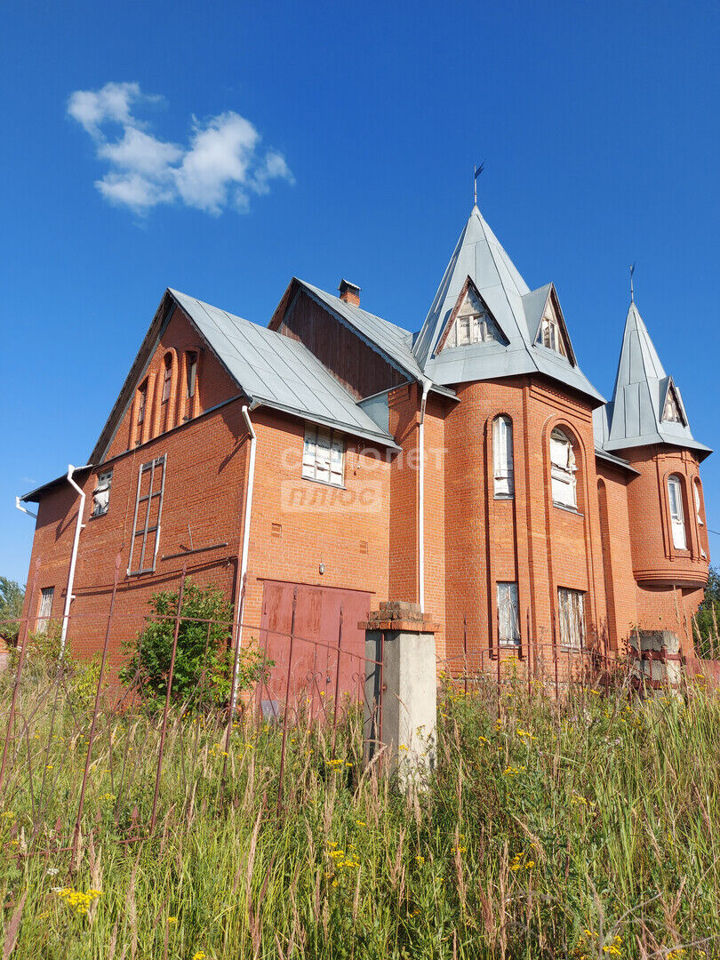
<point x="318" y="654"/>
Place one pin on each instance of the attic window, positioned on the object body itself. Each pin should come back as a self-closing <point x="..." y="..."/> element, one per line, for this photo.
<point x="671" y="410"/>
<point x="473" y="323"/>
<point x="550" y="336"/>
<point x="167" y="378"/>
<point x="192" y="359"/>
<point x="142" y="401"/>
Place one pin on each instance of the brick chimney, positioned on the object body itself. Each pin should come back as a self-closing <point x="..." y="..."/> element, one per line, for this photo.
<point x="349" y="292"/>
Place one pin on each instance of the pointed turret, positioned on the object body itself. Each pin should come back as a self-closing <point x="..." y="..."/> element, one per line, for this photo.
<point x="646" y="407"/>
<point x="516" y="330"/>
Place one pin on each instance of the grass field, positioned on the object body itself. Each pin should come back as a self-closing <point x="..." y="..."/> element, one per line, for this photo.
<point x="583" y="830"/>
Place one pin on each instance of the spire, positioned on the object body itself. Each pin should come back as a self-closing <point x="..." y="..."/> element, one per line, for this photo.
<point x="516" y="311"/>
<point x="647" y="407"/>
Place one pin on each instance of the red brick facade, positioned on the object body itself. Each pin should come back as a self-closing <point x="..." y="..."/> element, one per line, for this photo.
<point x="615" y="548"/>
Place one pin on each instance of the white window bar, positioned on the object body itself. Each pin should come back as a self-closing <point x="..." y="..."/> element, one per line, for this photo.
<point x="677" y="518"/>
<point x="503" y="469"/>
<point x="571" y="604"/>
<point x="508" y="614"/>
<point x="323" y="456"/>
<point x="562" y="470"/>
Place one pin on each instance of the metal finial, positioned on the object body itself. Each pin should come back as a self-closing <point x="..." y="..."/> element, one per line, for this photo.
<point x="476" y="173"/>
<point x="632" y="289"/>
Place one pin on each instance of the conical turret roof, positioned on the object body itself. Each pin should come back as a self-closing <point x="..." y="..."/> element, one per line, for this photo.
<point x="480" y="258"/>
<point x="647" y="407"/>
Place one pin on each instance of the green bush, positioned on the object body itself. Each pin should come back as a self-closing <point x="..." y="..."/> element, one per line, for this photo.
<point x="203" y="663"/>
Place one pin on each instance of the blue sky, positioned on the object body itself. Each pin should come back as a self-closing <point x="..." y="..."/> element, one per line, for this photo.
<point x="246" y="143"/>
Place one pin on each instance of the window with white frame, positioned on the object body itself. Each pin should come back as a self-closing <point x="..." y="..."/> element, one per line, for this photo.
<point x="571" y="609"/>
<point x="473" y="324"/>
<point x="508" y="614"/>
<point x="101" y="494"/>
<point x="562" y="470"/>
<point x="148" y="514"/>
<point x="677" y="516"/>
<point x="45" y="612"/>
<point x="323" y="455"/>
<point x="503" y="470"/>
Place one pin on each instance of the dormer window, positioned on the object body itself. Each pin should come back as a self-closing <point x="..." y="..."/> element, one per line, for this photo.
<point x="671" y="410"/>
<point x="551" y="336"/>
<point x="473" y="323"/>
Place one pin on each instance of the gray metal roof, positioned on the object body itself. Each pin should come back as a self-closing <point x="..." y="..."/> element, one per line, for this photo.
<point x="634" y="418"/>
<point x="276" y="371"/>
<point x="516" y="309"/>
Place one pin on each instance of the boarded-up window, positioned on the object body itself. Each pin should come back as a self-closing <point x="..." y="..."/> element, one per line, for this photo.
<point x="562" y="470"/>
<point x="148" y="514"/>
<point x="698" y="507"/>
<point x="473" y="324"/>
<point x="323" y="455"/>
<point x="504" y="476"/>
<point x="571" y="604"/>
<point x="101" y="494"/>
<point x="677" y="516"/>
<point x="45" y="612"/>
<point x="508" y="614"/>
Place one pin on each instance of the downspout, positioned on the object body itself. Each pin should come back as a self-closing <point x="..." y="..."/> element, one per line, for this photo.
<point x="73" y="560"/>
<point x="241" y="588"/>
<point x="421" y="499"/>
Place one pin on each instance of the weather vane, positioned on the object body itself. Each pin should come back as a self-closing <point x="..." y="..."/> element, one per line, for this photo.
<point x="476" y="173"/>
<point x="632" y="289"/>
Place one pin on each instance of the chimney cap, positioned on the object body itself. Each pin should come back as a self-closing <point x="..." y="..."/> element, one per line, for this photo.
<point x="348" y="286"/>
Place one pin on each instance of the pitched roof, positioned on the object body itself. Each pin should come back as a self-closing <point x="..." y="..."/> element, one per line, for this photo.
<point x="635" y="415"/>
<point x="276" y="371"/>
<point x="480" y="256"/>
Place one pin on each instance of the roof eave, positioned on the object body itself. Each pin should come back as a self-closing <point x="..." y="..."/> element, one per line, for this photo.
<point x="34" y="496"/>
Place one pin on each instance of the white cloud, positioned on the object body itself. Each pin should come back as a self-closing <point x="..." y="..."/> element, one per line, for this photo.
<point x="223" y="164"/>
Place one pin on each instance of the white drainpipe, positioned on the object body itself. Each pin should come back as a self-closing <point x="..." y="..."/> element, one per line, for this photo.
<point x="421" y="498"/>
<point x="73" y="559"/>
<point x="242" y="585"/>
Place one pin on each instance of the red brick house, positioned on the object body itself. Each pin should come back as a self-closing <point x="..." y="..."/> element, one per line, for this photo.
<point x="470" y="467"/>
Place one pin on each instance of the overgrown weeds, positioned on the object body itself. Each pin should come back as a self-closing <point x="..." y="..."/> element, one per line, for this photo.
<point x="586" y="829"/>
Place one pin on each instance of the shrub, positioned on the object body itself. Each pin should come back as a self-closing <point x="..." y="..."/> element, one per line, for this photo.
<point x="203" y="664"/>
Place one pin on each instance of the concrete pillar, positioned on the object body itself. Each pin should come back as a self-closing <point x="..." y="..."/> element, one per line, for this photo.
<point x="658" y="661"/>
<point x="401" y="690"/>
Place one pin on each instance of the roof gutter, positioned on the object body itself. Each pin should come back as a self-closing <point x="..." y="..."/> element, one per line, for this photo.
<point x="241" y="578"/>
<point x="18" y="504"/>
<point x="69" y="597"/>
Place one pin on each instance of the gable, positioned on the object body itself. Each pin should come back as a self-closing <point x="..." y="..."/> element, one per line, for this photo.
<point x="360" y="369"/>
<point x="470" y="321"/>
<point x="175" y="378"/>
<point x="552" y="331"/>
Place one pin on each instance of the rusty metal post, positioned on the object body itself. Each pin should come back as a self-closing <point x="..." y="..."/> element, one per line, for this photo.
<point x="465" y="658"/>
<point x="528" y="665"/>
<point x="98" y="692"/>
<point x="163" y="732"/>
<point x="555" y="658"/>
<point x="337" y="682"/>
<point x="21" y="661"/>
<point x="286" y="711"/>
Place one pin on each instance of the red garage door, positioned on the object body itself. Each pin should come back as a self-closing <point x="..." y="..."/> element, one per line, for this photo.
<point x="311" y="659"/>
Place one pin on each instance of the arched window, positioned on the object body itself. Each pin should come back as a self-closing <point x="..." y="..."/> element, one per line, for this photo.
<point x="167" y="378"/>
<point x="142" y="401"/>
<point x="192" y="361"/>
<point x="504" y="474"/>
<point x="562" y="470"/>
<point x="677" y="517"/>
<point x="698" y="503"/>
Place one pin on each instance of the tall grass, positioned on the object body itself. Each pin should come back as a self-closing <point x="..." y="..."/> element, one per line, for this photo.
<point x="586" y="829"/>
